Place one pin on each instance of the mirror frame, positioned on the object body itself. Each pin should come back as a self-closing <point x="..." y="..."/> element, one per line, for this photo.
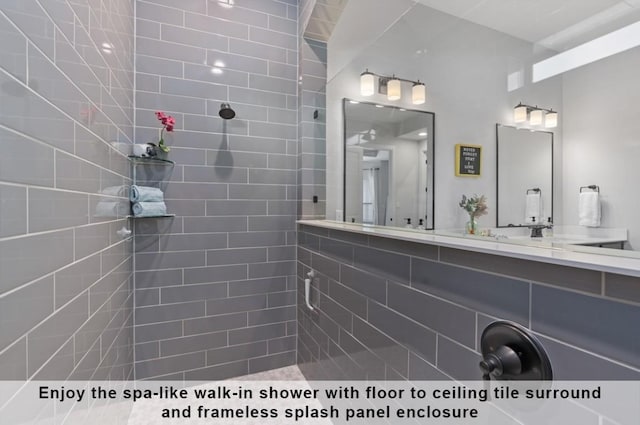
<point x="344" y="157"/>
<point x="498" y="125"/>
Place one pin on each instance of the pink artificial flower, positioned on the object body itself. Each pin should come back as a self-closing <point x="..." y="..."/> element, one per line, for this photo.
<point x="168" y="123"/>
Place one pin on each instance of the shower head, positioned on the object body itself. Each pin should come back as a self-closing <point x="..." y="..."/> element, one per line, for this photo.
<point x="226" y="112"/>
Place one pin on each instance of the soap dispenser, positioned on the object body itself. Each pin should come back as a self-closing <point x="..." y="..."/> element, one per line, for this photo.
<point x="421" y="225"/>
<point x="408" y="225"/>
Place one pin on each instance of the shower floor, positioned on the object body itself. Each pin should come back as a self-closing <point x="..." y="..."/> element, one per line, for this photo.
<point x="146" y="412"/>
<point x="289" y="373"/>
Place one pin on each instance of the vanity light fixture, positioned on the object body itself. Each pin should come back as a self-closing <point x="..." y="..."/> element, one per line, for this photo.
<point x="536" y="115"/>
<point x="392" y="87"/>
<point x="418" y="93"/>
<point x="367" y="83"/>
<point x="551" y="119"/>
<point x="520" y="113"/>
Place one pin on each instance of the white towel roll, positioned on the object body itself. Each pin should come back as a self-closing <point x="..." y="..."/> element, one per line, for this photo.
<point x="145" y="194"/>
<point x="144" y="150"/>
<point x="589" y="209"/>
<point x="148" y="209"/>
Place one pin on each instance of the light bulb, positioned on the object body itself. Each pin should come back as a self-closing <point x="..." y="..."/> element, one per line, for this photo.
<point x="520" y="114"/>
<point x="535" y="117"/>
<point x="367" y="84"/>
<point x="418" y="93"/>
<point x="551" y="120"/>
<point x="394" y="89"/>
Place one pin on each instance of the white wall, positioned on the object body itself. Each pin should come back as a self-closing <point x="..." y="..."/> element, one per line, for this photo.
<point x="465" y="67"/>
<point x="601" y="121"/>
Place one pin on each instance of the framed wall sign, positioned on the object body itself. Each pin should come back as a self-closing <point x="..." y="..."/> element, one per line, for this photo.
<point x="468" y="160"/>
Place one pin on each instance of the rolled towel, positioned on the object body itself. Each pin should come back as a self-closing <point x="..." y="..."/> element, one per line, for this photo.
<point x="114" y="191"/>
<point x="112" y="209"/>
<point x="144" y="150"/>
<point x="533" y="208"/>
<point x="145" y="194"/>
<point x="589" y="209"/>
<point x="148" y="209"/>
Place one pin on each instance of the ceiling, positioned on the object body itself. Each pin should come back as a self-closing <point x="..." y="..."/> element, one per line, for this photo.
<point x="554" y="24"/>
<point x="323" y="19"/>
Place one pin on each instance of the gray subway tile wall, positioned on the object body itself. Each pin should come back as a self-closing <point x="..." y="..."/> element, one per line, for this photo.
<point x="426" y="323"/>
<point x="65" y="106"/>
<point x="220" y="269"/>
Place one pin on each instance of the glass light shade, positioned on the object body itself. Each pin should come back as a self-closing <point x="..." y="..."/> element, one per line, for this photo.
<point x="535" y="117"/>
<point x="520" y="114"/>
<point x="367" y="84"/>
<point x="551" y="120"/>
<point x="394" y="89"/>
<point x="418" y="94"/>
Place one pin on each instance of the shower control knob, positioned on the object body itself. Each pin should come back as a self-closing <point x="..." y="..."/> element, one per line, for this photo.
<point x="511" y="352"/>
<point x="503" y="360"/>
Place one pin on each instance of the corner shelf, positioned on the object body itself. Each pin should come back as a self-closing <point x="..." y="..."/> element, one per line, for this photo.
<point x="149" y="160"/>
<point x="137" y="217"/>
<point x="142" y="160"/>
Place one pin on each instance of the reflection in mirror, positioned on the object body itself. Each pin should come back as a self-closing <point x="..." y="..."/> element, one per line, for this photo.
<point x="388" y="154"/>
<point x="525" y="176"/>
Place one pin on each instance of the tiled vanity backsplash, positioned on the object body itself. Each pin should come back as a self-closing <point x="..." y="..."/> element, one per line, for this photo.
<point x="391" y="309"/>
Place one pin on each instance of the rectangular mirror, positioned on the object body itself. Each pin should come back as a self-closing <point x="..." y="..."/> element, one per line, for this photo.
<point x="388" y="163"/>
<point x="525" y="176"/>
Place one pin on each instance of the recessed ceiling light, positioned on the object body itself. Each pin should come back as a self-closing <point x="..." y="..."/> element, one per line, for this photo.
<point x="219" y="64"/>
<point x="226" y="3"/>
<point x="354" y="102"/>
<point x="422" y="134"/>
<point x="403" y="110"/>
<point x="379" y="106"/>
<point x="216" y="71"/>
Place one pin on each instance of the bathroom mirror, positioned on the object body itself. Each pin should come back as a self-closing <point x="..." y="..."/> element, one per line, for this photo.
<point x="388" y="163"/>
<point x="524" y="176"/>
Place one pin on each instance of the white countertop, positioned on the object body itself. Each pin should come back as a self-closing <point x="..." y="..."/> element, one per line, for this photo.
<point x="600" y="259"/>
<point x="562" y="235"/>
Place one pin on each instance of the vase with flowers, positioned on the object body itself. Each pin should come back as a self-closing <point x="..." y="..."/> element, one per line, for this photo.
<point x="475" y="206"/>
<point x="168" y="122"/>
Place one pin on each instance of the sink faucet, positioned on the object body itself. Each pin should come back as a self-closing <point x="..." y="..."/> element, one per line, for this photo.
<point x="536" y="229"/>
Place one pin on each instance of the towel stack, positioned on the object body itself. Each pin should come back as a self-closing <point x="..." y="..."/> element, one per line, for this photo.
<point x="533" y="208"/>
<point x="589" y="209"/>
<point x="147" y="201"/>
